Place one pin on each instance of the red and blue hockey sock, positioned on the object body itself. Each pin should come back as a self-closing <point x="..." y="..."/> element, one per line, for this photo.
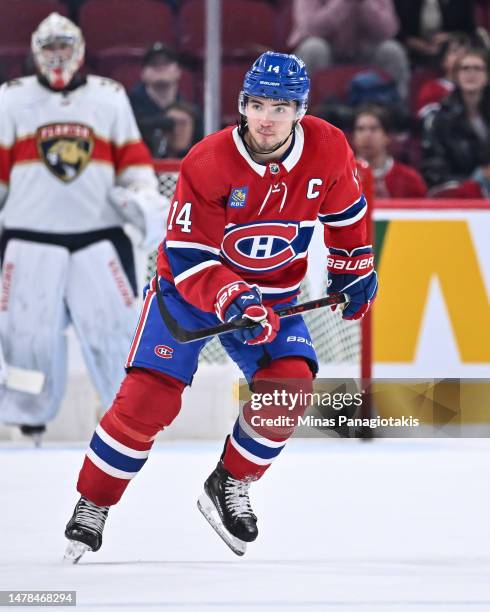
<point x="147" y="402"/>
<point x="259" y="435"/>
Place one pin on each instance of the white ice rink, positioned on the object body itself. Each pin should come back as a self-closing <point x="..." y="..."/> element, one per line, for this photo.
<point x="400" y="526"/>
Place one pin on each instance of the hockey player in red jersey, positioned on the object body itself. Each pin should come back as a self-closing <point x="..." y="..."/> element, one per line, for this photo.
<point x="238" y="231"/>
<point x="73" y="172"/>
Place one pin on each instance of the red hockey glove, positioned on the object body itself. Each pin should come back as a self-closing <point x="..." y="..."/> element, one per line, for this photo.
<point x="353" y="273"/>
<point x="239" y="300"/>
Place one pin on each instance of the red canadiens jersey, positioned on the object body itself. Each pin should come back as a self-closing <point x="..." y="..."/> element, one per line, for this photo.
<point x="398" y="180"/>
<point x="234" y="219"/>
<point x="430" y="96"/>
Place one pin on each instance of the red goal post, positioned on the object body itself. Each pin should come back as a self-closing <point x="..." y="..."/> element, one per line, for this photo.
<point x="344" y="348"/>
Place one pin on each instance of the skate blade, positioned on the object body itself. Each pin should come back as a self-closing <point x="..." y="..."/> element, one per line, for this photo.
<point x="212" y="516"/>
<point x="37" y="439"/>
<point x="75" y="551"/>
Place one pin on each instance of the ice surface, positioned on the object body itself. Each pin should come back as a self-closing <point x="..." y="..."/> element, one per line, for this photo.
<point x="345" y="526"/>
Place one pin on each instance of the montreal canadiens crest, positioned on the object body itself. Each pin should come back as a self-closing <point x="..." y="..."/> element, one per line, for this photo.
<point x="164" y="351"/>
<point x="261" y="247"/>
<point x="65" y="148"/>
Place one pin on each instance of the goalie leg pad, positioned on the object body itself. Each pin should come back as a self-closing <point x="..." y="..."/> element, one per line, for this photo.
<point x="33" y="318"/>
<point x="147" y="402"/>
<point x="103" y="311"/>
<point x="254" y="443"/>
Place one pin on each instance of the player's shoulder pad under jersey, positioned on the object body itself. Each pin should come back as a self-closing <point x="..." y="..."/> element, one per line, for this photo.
<point x="105" y="88"/>
<point x="210" y="153"/>
<point x="322" y="132"/>
<point x="19" y="89"/>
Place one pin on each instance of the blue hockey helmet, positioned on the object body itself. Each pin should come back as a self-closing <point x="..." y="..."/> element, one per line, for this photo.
<point x="278" y="76"/>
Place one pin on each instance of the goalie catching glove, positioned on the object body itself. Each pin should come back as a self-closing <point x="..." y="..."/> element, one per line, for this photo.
<point x="241" y="301"/>
<point x="353" y="273"/>
<point x="144" y="208"/>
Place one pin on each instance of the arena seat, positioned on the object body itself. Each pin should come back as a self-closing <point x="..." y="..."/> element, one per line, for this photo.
<point x="418" y="79"/>
<point x="11" y="61"/>
<point x="333" y="82"/>
<point x="19" y="18"/>
<point x="483" y="16"/>
<point x="248" y="28"/>
<point x="127" y="74"/>
<point x="110" y="59"/>
<point x="232" y="74"/>
<point x="133" y="24"/>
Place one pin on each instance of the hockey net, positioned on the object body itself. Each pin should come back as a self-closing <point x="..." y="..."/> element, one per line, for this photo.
<point x="343" y="347"/>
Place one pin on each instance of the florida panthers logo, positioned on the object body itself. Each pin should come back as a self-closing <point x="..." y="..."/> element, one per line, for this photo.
<point x="65" y="148"/>
<point x="264" y="246"/>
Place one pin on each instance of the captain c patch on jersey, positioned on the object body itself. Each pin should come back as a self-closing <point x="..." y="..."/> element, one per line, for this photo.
<point x="65" y="148"/>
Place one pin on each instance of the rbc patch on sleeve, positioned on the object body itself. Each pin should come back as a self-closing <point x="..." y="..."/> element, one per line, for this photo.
<point x="238" y="197"/>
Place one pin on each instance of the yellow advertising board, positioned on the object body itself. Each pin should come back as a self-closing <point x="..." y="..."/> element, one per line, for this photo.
<point x="432" y="315"/>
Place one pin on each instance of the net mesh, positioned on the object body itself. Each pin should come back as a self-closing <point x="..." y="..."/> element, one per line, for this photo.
<point x="336" y="341"/>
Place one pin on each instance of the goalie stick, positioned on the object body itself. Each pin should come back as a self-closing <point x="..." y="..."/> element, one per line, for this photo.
<point x="184" y="336"/>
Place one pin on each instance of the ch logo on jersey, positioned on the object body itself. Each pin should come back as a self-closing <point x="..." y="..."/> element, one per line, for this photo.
<point x="65" y="148"/>
<point x="238" y="197"/>
<point x="164" y="351"/>
<point x="261" y="246"/>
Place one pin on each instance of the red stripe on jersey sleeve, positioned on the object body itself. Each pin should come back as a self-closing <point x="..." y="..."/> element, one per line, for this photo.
<point x="348" y="237"/>
<point x="102" y="150"/>
<point x="130" y="154"/>
<point x="201" y="288"/>
<point x="5" y="164"/>
<point x="25" y="150"/>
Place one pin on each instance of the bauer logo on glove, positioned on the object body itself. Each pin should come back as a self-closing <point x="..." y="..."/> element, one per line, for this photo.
<point x="243" y="301"/>
<point x="353" y="273"/>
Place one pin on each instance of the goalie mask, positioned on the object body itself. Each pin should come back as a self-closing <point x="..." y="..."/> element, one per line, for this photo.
<point x="277" y="76"/>
<point x="58" y="49"/>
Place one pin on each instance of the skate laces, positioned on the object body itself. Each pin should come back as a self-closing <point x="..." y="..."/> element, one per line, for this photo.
<point x="236" y="496"/>
<point x="90" y="515"/>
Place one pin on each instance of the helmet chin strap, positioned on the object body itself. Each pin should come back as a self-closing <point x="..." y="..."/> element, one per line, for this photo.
<point x="250" y="149"/>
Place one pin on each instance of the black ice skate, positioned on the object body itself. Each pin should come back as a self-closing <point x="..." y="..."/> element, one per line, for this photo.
<point x="34" y="432"/>
<point x="226" y="506"/>
<point x="84" y="529"/>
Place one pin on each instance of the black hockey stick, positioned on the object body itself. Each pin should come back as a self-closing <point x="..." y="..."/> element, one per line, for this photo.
<point x="184" y="336"/>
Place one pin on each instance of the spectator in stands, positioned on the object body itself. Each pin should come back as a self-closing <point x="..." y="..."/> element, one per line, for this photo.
<point x="159" y="85"/>
<point x="456" y="137"/>
<point x="185" y="130"/>
<point x="152" y="96"/>
<point x="371" y="141"/>
<point x="432" y="92"/>
<point x="478" y="186"/>
<point x="425" y="25"/>
<point x="327" y="31"/>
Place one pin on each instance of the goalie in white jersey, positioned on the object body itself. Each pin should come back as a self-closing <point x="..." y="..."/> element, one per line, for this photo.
<point x="73" y="171"/>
